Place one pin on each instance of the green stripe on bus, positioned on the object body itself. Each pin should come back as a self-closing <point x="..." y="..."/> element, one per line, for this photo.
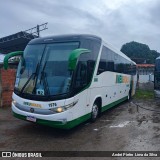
<point x="58" y="124"/>
<point x="104" y="108"/>
<point x="70" y="124"/>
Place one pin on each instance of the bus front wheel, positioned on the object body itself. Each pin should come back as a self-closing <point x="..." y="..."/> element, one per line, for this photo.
<point x="95" y="112"/>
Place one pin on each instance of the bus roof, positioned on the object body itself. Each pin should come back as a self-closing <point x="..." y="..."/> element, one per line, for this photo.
<point x="76" y="37"/>
<point x="61" y="38"/>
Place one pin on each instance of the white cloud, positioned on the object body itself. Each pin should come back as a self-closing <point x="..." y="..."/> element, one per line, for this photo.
<point x="117" y="21"/>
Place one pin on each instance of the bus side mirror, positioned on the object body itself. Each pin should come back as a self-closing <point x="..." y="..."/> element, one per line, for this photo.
<point x="73" y="58"/>
<point x="10" y="55"/>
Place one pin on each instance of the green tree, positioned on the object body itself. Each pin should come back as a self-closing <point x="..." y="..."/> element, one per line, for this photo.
<point x="136" y="51"/>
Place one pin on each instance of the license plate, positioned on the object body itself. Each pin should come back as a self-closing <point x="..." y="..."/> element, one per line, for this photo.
<point x="30" y="118"/>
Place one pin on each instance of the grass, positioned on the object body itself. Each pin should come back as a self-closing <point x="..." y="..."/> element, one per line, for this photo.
<point x="144" y="94"/>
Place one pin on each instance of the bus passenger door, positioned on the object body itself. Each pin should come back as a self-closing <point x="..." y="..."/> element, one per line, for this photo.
<point x="80" y="88"/>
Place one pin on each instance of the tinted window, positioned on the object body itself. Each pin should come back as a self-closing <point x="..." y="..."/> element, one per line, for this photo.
<point x="83" y="72"/>
<point x="50" y="76"/>
<point x="86" y="64"/>
<point x="93" y="46"/>
<point x="111" y="61"/>
<point x="106" y="61"/>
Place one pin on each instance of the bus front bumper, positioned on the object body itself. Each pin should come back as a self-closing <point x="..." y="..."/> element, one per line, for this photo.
<point x="49" y="120"/>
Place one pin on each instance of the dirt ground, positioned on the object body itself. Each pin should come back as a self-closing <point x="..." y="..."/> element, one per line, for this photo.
<point x="122" y="128"/>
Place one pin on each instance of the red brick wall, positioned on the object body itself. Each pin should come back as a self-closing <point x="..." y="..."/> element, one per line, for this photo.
<point x="7" y="86"/>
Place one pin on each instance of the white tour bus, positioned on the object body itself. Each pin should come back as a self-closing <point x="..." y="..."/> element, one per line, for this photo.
<point x="63" y="81"/>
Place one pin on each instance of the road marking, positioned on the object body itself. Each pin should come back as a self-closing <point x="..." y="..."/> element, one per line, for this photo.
<point x="121" y="125"/>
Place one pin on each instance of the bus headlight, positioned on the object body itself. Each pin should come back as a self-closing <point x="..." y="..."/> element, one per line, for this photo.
<point x="14" y="102"/>
<point x="58" y="109"/>
<point x="63" y="108"/>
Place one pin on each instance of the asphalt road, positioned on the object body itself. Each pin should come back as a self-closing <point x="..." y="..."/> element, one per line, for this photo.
<point x="122" y="128"/>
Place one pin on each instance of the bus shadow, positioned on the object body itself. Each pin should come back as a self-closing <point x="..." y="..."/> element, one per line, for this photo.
<point x="41" y="130"/>
<point x="46" y="131"/>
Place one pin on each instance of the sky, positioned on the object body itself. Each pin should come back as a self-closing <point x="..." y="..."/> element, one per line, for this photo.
<point x="116" y="21"/>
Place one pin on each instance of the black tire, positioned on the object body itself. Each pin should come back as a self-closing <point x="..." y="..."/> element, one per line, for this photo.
<point x="95" y="112"/>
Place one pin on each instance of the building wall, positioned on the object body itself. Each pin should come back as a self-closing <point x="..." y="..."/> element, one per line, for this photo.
<point x="146" y="78"/>
<point x="7" y="79"/>
<point x="146" y="73"/>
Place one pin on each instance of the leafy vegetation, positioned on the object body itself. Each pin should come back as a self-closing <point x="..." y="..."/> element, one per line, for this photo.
<point x="144" y="94"/>
<point x="140" y="51"/>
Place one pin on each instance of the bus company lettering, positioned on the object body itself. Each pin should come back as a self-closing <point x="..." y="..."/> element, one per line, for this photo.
<point x="32" y="104"/>
<point x="122" y="79"/>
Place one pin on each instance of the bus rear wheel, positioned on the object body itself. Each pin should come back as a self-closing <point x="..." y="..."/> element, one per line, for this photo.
<point x="95" y="112"/>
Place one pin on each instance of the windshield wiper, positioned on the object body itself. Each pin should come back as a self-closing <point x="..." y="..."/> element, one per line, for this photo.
<point x="33" y="74"/>
<point x="43" y="76"/>
<point x="42" y="72"/>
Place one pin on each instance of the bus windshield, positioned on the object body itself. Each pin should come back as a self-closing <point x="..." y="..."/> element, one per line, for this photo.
<point x="43" y="69"/>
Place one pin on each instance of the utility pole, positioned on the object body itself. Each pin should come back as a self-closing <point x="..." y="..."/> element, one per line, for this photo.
<point x="38" y="31"/>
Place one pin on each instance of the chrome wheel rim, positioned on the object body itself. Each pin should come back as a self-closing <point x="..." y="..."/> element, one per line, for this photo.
<point x="94" y="111"/>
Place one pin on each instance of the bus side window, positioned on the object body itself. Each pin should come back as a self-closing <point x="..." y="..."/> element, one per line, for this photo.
<point x="102" y="67"/>
<point x="81" y="75"/>
<point x="110" y="66"/>
<point x="90" y="69"/>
